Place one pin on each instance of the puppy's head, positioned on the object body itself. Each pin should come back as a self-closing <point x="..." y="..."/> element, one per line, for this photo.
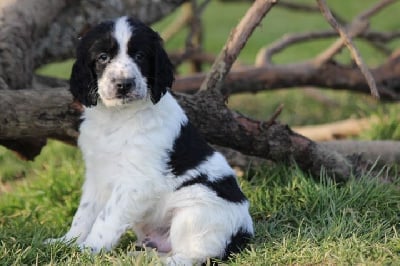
<point x="119" y="62"/>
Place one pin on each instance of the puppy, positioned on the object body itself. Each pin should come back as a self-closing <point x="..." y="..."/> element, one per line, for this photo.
<point x="147" y="168"/>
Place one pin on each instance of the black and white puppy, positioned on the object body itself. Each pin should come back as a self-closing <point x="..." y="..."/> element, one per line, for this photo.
<point x="147" y="168"/>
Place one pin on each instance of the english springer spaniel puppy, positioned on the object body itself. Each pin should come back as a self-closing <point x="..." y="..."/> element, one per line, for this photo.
<point x="147" y="168"/>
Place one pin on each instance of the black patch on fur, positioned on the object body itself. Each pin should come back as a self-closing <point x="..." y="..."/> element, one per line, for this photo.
<point x="85" y="71"/>
<point x="189" y="150"/>
<point x="201" y="179"/>
<point x="154" y="63"/>
<point x="211" y="262"/>
<point x="238" y="243"/>
<point x="225" y="187"/>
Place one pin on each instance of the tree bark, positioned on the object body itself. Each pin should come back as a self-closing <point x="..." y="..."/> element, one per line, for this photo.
<point x="38" y="114"/>
<point x="21" y="24"/>
<point x="50" y="112"/>
<point x="33" y="33"/>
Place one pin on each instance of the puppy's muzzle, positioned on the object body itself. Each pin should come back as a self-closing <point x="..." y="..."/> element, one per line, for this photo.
<point x="124" y="87"/>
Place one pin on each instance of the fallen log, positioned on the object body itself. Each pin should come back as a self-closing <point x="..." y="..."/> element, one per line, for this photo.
<point x="336" y="130"/>
<point x="51" y="113"/>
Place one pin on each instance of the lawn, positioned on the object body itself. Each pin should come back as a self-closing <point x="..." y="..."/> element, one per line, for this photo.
<point x="298" y="219"/>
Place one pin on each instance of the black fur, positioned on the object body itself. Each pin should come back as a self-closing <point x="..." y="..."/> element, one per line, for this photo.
<point x="83" y="82"/>
<point x="145" y="47"/>
<point x="238" y="243"/>
<point x="155" y="65"/>
<point x="189" y="150"/>
<point x="225" y="187"/>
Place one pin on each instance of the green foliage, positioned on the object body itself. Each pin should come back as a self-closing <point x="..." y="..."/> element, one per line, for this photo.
<point x="387" y="126"/>
<point x="298" y="220"/>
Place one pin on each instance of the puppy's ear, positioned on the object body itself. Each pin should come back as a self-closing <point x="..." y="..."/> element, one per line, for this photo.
<point x="83" y="83"/>
<point x="163" y="75"/>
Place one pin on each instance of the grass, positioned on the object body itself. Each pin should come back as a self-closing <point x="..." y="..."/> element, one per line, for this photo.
<point x="298" y="219"/>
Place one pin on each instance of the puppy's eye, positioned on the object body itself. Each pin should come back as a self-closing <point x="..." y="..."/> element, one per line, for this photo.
<point x="139" y="56"/>
<point x="103" y="58"/>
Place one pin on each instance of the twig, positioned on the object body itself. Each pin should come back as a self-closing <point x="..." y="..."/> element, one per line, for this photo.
<point x="380" y="40"/>
<point x="381" y="36"/>
<point x="272" y="119"/>
<point x="235" y="43"/>
<point x="194" y="38"/>
<point x="264" y="56"/>
<point x="377" y="39"/>
<point x="306" y="8"/>
<point x="375" y="9"/>
<point x="336" y="47"/>
<point x="359" y="25"/>
<point x="350" y="45"/>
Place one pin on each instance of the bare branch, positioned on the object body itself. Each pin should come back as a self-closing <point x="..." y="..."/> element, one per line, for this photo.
<point x="350" y="45"/>
<point x="264" y="56"/>
<point x="375" y="9"/>
<point x="358" y="26"/>
<point x="235" y="43"/>
<point x="307" y="8"/>
<point x="355" y="29"/>
<point x="377" y="39"/>
<point x="257" y="79"/>
<point x="194" y="40"/>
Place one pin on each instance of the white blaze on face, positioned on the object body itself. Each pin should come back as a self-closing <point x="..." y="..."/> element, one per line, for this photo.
<point x="122" y="66"/>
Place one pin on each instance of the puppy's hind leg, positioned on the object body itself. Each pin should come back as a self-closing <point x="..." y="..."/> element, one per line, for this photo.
<point x="195" y="236"/>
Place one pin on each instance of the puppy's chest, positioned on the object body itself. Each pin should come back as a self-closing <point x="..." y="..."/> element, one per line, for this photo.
<point x="124" y="144"/>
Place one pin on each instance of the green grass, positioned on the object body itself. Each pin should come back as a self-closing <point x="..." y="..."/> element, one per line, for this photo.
<point x="298" y="219"/>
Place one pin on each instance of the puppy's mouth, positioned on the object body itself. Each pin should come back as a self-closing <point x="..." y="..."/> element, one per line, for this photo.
<point x="122" y="98"/>
<point x="128" y="97"/>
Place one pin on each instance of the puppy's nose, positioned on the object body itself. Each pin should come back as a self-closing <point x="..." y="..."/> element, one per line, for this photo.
<point x="124" y="86"/>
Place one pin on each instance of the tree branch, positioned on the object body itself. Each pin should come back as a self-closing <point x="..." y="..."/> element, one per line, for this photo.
<point x="358" y="26"/>
<point x="235" y="43"/>
<point x="262" y="78"/>
<point x="350" y="45"/>
<point x="376" y="38"/>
